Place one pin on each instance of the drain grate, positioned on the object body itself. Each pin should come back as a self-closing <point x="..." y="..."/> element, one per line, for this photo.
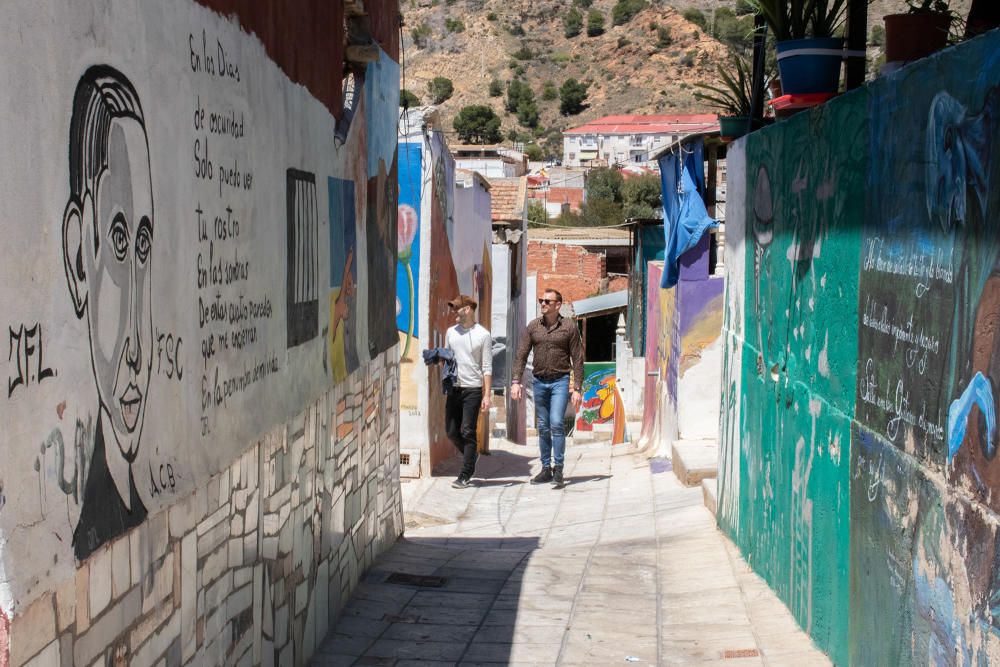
<point x="740" y="653"/>
<point x="421" y="580"/>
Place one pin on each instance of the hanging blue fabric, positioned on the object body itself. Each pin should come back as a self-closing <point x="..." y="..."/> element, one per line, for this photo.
<point x="685" y="218"/>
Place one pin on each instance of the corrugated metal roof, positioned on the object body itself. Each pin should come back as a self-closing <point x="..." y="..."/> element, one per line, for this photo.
<point x="602" y="302"/>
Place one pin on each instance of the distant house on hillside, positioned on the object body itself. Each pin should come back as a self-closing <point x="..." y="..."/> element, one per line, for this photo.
<point x="491" y="161"/>
<point x="629" y="139"/>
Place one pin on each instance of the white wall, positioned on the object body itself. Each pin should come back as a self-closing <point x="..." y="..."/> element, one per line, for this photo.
<point x="111" y="296"/>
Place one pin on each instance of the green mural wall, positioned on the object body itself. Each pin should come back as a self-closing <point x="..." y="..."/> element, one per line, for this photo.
<point x="804" y="202"/>
<point x="859" y="431"/>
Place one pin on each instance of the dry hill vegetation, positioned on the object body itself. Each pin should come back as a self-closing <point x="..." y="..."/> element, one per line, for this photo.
<point x="648" y="64"/>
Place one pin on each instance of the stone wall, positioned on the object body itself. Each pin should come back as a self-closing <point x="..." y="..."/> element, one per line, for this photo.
<point x="200" y="427"/>
<point x="251" y="568"/>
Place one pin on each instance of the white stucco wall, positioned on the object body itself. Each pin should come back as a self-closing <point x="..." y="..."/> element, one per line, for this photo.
<point x="178" y="316"/>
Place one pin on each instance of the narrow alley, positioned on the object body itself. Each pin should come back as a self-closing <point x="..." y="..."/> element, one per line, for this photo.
<point x="624" y="566"/>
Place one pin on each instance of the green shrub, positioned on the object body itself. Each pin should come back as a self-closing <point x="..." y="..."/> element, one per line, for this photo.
<point x="478" y="124"/>
<point x="496" y="88"/>
<point x="440" y="89"/>
<point x="572" y="95"/>
<point x="420" y="35"/>
<point x="408" y="100"/>
<point x="625" y="10"/>
<point x="523" y="53"/>
<point x="492" y="16"/>
<point x="663" y="38"/>
<point x="595" y="23"/>
<point x="454" y="25"/>
<point x="549" y="91"/>
<point x="572" y="23"/>
<point x="696" y="16"/>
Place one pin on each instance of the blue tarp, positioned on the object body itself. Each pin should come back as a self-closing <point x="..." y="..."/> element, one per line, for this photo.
<point x="685" y="219"/>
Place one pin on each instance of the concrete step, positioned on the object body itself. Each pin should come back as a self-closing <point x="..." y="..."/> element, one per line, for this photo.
<point x="695" y="460"/>
<point x="592" y="436"/>
<point x="710" y="493"/>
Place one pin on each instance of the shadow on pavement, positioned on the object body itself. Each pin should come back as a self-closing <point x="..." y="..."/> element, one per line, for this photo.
<point x="460" y="609"/>
<point x="570" y="481"/>
<point x="497" y="464"/>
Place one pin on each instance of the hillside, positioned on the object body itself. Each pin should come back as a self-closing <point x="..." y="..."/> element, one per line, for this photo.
<point x="648" y="65"/>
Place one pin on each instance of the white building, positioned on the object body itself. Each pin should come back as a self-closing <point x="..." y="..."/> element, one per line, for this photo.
<point x="629" y="139"/>
<point x="491" y="161"/>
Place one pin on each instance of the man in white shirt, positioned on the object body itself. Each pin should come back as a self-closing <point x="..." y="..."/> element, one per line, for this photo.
<point x="472" y="346"/>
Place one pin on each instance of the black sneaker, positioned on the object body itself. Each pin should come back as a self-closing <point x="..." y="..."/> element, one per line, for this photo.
<point x="543" y="477"/>
<point x="461" y="483"/>
<point x="557" y="478"/>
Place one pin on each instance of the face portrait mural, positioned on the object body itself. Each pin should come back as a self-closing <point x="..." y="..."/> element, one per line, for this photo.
<point x="107" y="252"/>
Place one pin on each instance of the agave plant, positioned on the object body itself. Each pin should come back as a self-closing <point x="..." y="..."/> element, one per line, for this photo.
<point x="796" y="19"/>
<point x="734" y="97"/>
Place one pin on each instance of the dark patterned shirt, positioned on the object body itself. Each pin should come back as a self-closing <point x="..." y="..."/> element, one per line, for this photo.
<point x="558" y="350"/>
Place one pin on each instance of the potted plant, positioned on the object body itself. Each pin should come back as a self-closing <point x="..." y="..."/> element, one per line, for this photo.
<point x="919" y="32"/>
<point x="733" y="98"/>
<point x="810" y="49"/>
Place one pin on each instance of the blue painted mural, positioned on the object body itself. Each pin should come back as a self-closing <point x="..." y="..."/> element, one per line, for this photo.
<point x="408" y="244"/>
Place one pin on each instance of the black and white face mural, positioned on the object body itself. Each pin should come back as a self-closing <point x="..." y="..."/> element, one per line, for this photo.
<point x="107" y="239"/>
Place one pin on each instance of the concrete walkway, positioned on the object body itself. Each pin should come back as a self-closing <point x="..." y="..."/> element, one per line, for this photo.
<point x="623" y="566"/>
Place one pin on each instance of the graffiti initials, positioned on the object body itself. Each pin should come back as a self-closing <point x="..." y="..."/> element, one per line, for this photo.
<point x="26" y="344"/>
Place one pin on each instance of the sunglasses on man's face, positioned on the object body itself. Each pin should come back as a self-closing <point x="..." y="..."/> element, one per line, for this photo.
<point x="547" y="302"/>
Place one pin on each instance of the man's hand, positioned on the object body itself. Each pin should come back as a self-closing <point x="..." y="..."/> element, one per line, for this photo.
<point x="576" y="399"/>
<point x="485" y="407"/>
<point x="516" y="391"/>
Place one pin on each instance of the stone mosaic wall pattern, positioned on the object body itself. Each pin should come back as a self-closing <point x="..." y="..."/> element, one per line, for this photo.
<point x="200" y="432"/>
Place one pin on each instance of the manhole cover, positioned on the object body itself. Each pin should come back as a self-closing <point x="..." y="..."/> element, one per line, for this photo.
<point x="422" y="580"/>
<point x="740" y="653"/>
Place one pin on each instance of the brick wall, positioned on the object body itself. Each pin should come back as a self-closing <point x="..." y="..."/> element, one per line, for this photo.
<point x="573" y="270"/>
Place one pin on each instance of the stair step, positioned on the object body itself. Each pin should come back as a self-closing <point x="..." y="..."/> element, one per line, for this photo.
<point x="710" y="493"/>
<point x="695" y="460"/>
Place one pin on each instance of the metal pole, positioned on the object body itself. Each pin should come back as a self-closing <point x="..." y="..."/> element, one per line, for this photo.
<point x="759" y="37"/>
<point x="857" y="40"/>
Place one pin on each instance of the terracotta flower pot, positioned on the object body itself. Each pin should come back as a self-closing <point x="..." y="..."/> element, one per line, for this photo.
<point x="914" y="36"/>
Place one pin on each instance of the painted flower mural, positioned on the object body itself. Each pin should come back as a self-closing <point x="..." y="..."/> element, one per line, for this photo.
<point x="406" y="231"/>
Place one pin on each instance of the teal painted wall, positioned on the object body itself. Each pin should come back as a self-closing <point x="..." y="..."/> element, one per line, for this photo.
<point x="804" y="202"/>
<point x="858" y="470"/>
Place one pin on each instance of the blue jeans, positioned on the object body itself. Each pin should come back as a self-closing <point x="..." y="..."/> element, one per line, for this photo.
<point x="551" y="398"/>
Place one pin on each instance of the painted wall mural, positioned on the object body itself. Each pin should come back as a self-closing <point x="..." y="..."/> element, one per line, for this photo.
<point x="863" y="309"/>
<point x="441" y="289"/>
<point x="804" y="207"/>
<point x="654" y="328"/>
<point x="408" y="246"/>
<point x="343" y="279"/>
<point x="110" y="204"/>
<point x="925" y="547"/>
<point x="381" y="116"/>
<point x="165" y="275"/>
<point x="602" y="401"/>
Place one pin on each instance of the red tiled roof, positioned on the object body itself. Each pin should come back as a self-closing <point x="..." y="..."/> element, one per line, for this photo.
<point x="632" y="124"/>
<point x="508" y="198"/>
